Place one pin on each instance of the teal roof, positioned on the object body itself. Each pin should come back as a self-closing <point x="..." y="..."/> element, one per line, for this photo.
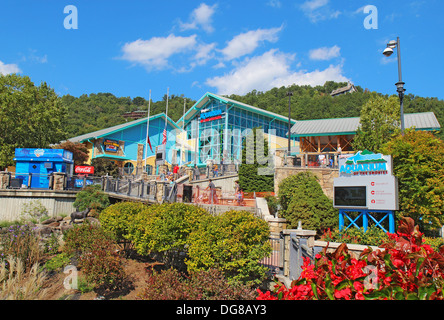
<point x="190" y="114"/>
<point x="348" y="126"/>
<point x="104" y="132"/>
<point x="110" y="156"/>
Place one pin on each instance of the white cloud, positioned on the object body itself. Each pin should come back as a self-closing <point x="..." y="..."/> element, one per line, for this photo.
<point x="325" y="53"/>
<point x="247" y="42"/>
<point x="314" y="78"/>
<point x="274" y="3"/>
<point x="312" y="5"/>
<point x="201" y="16"/>
<point x="272" y="69"/>
<point x="318" y="10"/>
<point x="9" y="68"/>
<point x="154" y="53"/>
<point x="204" y="53"/>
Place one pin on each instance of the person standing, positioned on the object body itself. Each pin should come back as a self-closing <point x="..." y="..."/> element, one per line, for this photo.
<point x="196" y="172"/>
<point x="212" y="188"/>
<point x="176" y="172"/>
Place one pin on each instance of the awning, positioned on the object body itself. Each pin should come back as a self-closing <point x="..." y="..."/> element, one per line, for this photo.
<point x="112" y="157"/>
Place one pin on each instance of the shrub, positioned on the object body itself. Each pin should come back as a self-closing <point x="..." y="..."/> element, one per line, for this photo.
<point x="96" y="250"/>
<point x="233" y="243"/>
<point x="302" y="199"/>
<point x="20" y="242"/>
<point x="374" y="236"/>
<point x="170" y="284"/>
<point x="418" y="163"/>
<point x="58" y="262"/>
<point x="17" y="283"/>
<point x="91" y="197"/>
<point x="164" y="228"/>
<point x="118" y="217"/>
<point x="407" y="269"/>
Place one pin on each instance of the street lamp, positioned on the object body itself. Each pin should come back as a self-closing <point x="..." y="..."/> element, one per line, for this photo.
<point x="289" y="94"/>
<point x="399" y="85"/>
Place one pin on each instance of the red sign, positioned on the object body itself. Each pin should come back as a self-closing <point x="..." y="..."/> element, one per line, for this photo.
<point x="84" y="169"/>
<point x="211" y="119"/>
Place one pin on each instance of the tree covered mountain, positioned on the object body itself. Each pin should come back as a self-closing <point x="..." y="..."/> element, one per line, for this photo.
<point x="92" y="112"/>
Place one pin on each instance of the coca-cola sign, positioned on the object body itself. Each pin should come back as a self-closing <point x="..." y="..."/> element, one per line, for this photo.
<point x="84" y="169"/>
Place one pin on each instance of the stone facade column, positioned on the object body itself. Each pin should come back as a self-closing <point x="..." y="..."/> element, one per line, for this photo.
<point x="276" y="226"/>
<point x="59" y="181"/>
<point x="5" y="178"/>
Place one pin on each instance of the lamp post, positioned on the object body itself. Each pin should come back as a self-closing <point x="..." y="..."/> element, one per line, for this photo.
<point x="400" y="84"/>
<point x="289" y="94"/>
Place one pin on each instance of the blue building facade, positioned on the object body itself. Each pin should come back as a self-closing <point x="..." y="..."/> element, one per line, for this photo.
<point x="126" y="145"/>
<point x="220" y="124"/>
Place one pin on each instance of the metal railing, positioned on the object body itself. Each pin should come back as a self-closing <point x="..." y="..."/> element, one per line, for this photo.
<point x="275" y="261"/>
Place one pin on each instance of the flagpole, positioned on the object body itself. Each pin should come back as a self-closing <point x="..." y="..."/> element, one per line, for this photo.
<point x="183" y="129"/>
<point x="147" y="129"/>
<point x="166" y="112"/>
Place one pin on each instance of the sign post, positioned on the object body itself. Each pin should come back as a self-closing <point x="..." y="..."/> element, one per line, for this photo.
<point x="365" y="186"/>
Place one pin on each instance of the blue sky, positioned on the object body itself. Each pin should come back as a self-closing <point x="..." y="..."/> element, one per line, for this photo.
<point x="224" y="47"/>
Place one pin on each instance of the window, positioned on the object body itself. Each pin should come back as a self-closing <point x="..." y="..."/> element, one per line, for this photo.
<point x="128" y="168"/>
<point x="149" y="169"/>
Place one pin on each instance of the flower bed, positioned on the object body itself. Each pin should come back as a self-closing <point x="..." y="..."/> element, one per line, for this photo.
<point x="406" y="268"/>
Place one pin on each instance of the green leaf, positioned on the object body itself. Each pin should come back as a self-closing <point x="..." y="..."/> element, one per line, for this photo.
<point x="315" y="291"/>
<point x="329" y="289"/>
<point x="418" y="265"/>
<point x="412" y="296"/>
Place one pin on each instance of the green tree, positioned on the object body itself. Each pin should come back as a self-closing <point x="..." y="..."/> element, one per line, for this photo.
<point x="302" y="199"/>
<point x="91" y="197"/>
<point x="79" y="151"/>
<point x="103" y="167"/>
<point x="418" y="162"/>
<point x="31" y="116"/>
<point x="253" y="175"/>
<point x="379" y="122"/>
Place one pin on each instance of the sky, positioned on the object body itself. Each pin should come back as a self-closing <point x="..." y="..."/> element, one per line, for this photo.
<point x="227" y="47"/>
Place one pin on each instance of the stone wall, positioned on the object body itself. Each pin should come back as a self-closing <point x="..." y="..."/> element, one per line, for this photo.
<point x="325" y="177"/>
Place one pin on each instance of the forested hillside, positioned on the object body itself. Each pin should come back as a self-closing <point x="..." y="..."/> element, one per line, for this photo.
<point x="89" y="113"/>
<point x="97" y="111"/>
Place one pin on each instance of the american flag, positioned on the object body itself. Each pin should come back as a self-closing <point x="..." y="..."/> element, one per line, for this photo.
<point x="164" y="140"/>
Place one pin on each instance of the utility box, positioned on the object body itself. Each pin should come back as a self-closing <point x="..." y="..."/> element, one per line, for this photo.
<point x="35" y="166"/>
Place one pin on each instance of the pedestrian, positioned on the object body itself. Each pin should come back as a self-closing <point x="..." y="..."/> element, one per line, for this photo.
<point x="237" y="192"/>
<point x="212" y="197"/>
<point x="215" y="171"/>
<point x="176" y="172"/>
<point x="196" y="172"/>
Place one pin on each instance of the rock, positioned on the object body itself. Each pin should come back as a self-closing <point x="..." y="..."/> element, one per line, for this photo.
<point x="59" y="218"/>
<point x="54" y="224"/>
<point x="65" y="227"/>
<point x="49" y="221"/>
<point x="92" y="220"/>
<point x="42" y="230"/>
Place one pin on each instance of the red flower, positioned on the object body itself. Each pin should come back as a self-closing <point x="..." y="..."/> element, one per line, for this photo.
<point x="344" y="293"/>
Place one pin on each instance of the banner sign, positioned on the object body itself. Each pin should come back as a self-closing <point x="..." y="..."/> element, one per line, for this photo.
<point x="211" y="115"/>
<point x="111" y="145"/>
<point x="84" y="169"/>
<point x="366" y="181"/>
<point x="365" y="163"/>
